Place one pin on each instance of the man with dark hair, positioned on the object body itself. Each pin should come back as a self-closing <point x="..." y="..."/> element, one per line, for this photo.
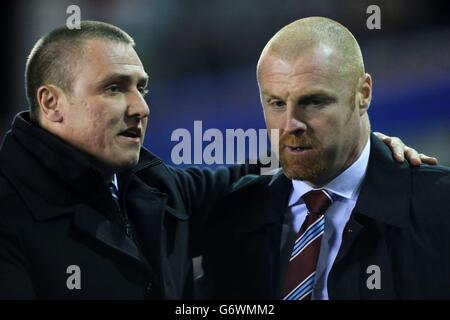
<point x="342" y="219"/>
<point x="85" y="211"/>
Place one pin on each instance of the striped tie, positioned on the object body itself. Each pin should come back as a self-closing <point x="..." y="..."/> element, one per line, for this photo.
<point x="301" y="271"/>
<point x="114" y="193"/>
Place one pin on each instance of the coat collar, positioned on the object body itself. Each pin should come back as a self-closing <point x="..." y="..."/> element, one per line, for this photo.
<point x="59" y="158"/>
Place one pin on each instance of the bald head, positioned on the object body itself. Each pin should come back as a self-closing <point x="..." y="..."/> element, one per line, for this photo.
<point x="315" y="92"/>
<point x="317" y="35"/>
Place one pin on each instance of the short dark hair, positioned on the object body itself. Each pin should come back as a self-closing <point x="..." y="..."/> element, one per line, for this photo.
<point x="55" y="56"/>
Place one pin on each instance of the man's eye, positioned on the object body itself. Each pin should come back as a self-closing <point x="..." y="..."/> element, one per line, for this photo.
<point x="315" y="102"/>
<point x="114" y="88"/>
<point x="277" y="104"/>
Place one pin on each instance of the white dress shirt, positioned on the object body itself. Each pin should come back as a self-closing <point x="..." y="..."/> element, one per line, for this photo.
<point x="345" y="191"/>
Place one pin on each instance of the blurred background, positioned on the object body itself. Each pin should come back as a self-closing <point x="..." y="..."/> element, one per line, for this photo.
<point x="201" y="58"/>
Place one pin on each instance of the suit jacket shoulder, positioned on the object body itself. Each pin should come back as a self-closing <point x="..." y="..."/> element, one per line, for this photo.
<point x="430" y="204"/>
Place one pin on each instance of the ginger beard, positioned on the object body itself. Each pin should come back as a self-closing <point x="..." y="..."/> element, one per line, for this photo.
<point x="308" y="165"/>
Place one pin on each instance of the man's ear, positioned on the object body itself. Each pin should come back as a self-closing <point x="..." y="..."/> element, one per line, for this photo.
<point x="364" y="93"/>
<point x="51" y="101"/>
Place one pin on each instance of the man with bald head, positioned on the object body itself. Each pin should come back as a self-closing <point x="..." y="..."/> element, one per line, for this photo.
<point x="342" y="219"/>
<point x="307" y="66"/>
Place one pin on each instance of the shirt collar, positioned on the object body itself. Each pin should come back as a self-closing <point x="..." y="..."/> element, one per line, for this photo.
<point x="345" y="185"/>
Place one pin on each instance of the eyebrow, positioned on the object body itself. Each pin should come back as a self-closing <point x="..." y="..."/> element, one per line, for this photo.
<point x="316" y="95"/>
<point x="122" y="78"/>
<point x="268" y="96"/>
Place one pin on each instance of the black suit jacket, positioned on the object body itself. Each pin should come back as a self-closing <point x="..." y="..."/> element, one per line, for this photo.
<point x="56" y="212"/>
<point x="401" y="224"/>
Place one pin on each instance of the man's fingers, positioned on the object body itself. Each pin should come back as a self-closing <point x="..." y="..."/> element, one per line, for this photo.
<point x="412" y="156"/>
<point x="398" y="148"/>
<point x="400" y="151"/>
<point x="387" y="140"/>
<point x="381" y="136"/>
<point x="428" y="160"/>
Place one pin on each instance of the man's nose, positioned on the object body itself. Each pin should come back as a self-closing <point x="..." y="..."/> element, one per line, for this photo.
<point x="293" y="122"/>
<point x="137" y="106"/>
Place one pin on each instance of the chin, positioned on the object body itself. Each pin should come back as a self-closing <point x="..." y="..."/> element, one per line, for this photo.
<point x="125" y="162"/>
<point x="309" y="172"/>
<point x="298" y="174"/>
<point x="130" y="162"/>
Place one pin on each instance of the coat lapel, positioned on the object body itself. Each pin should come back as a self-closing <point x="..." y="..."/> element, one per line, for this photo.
<point x="145" y="208"/>
<point x="386" y="189"/>
<point x="383" y="203"/>
<point x="92" y="223"/>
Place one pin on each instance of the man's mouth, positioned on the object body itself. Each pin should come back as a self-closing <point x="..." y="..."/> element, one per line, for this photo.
<point x="297" y="149"/>
<point x="133" y="134"/>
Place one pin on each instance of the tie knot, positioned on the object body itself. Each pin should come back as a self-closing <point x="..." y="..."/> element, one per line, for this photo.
<point x="317" y="201"/>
